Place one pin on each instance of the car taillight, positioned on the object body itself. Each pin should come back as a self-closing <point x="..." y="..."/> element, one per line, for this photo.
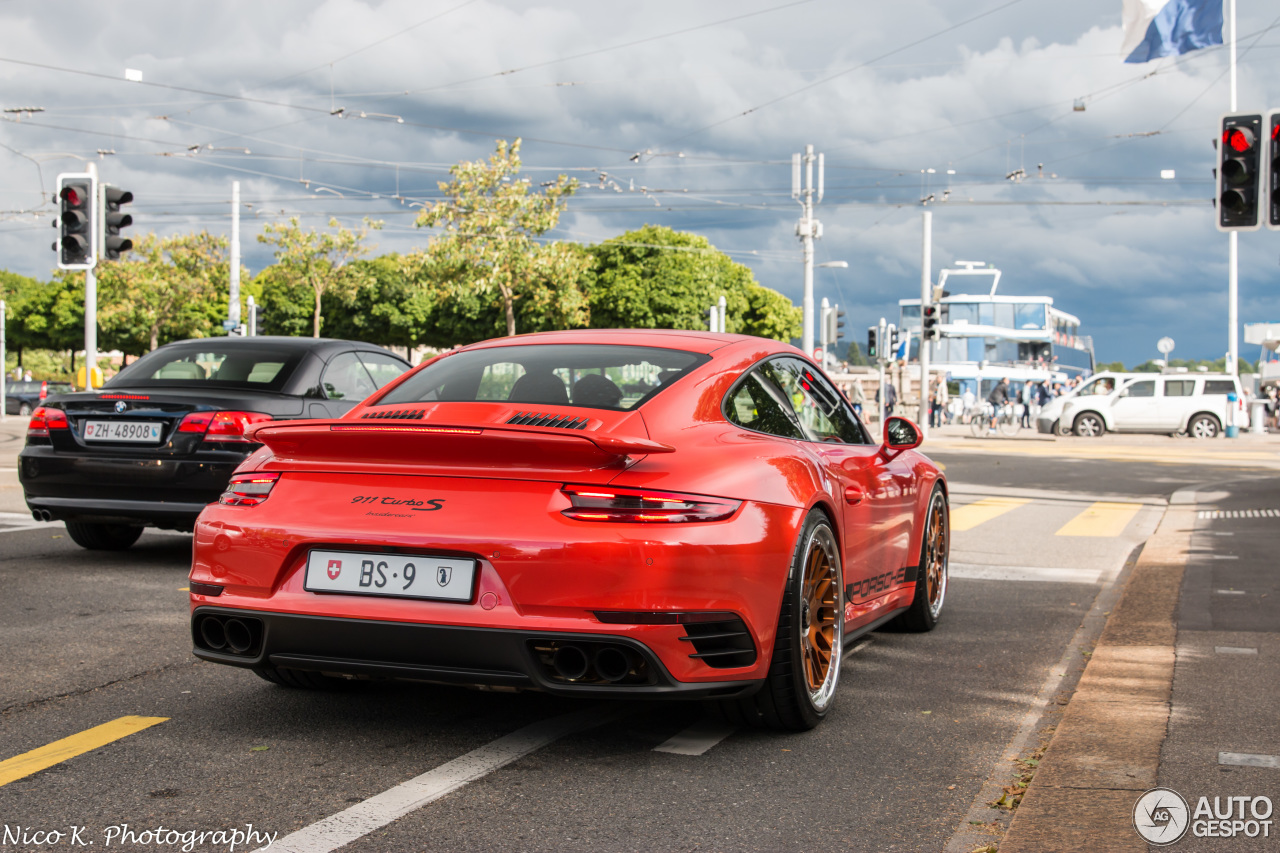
<point x="44" y="419"/>
<point x="248" y="489"/>
<point x="644" y="505"/>
<point x="221" y="426"/>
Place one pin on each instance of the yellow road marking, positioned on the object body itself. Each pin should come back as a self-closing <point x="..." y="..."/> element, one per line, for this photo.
<point x="971" y="515"/>
<point x="59" y="751"/>
<point x="1101" y="519"/>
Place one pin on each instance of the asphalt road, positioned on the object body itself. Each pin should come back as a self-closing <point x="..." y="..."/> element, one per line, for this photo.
<point x="924" y="725"/>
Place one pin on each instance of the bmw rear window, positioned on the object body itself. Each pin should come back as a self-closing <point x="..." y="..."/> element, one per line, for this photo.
<point x="261" y="368"/>
<point x="593" y="376"/>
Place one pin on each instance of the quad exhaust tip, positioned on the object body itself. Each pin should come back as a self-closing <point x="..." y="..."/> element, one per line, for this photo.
<point x="570" y="662"/>
<point x="41" y="515"/>
<point x="231" y="634"/>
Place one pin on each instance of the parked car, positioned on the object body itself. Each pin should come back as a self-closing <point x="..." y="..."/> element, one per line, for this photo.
<point x="635" y="513"/>
<point x="161" y="438"/>
<point x="21" y="397"/>
<point x="1191" y="403"/>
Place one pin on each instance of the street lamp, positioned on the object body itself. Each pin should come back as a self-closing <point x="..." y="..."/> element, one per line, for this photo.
<point x="836" y="265"/>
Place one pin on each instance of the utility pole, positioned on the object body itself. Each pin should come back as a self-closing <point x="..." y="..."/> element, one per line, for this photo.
<point x="808" y="229"/>
<point x="251" y="328"/>
<point x="724" y="309"/>
<point x="233" y="309"/>
<point x="926" y="294"/>
<point x="713" y="324"/>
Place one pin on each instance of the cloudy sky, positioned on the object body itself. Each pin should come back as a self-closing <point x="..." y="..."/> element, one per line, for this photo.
<point x="682" y="114"/>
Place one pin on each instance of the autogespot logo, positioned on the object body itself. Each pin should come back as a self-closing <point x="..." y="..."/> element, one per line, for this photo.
<point x="1160" y="816"/>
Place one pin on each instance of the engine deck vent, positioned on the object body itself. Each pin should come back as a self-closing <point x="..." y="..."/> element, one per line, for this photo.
<point x="723" y="645"/>
<point x="551" y="420"/>
<point x="398" y="414"/>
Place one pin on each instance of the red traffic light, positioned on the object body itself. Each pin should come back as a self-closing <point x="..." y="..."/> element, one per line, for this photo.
<point x="1238" y="139"/>
<point x="75" y="195"/>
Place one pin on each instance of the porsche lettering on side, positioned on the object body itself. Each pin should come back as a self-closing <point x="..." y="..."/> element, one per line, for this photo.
<point x="590" y="513"/>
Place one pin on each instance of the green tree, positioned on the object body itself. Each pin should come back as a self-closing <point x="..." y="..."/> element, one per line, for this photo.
<point x="318" y="260"/>
<point x="657" y="278"/>
<point x="52" y="315"/>
<point x="1114" y="367"/>
<point x="166" y="289"/>
<point x="490" y="223"/>
<point x="855" y="356"/>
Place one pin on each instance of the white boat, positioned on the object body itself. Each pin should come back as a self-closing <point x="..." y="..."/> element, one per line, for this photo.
<point x="986" y="337"/>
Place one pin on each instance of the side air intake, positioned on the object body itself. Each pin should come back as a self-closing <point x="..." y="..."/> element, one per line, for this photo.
<point x="552" y="420"/>
<point x="721" y="645"/>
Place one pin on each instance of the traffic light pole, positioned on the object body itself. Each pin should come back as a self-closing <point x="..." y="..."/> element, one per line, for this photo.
<point x="1233" y="239"/>
<point x="91" y="292"/>
<point x="926" y="293"/>
<point x="808" y="229"/>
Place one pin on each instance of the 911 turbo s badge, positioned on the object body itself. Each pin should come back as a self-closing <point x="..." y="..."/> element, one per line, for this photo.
<point x="409" y="503"/>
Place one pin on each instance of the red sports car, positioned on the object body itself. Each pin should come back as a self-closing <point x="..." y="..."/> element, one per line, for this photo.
<point x="589" y="513"/>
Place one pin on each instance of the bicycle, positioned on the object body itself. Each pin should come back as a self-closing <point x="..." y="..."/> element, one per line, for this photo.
<point x="984" y="420"/>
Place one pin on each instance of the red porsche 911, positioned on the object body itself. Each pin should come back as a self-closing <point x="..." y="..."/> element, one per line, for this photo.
<point x="589" y="513"/>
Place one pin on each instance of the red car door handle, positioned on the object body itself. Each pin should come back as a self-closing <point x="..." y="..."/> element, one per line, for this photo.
<point x="854" y="494"/>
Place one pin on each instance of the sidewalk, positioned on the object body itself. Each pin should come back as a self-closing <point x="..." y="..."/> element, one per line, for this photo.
<point x="1180" y="691"/>
<point x="13" y="434"/>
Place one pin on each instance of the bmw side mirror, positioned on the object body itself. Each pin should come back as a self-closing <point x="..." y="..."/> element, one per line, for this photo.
<point x="901" y="434"/>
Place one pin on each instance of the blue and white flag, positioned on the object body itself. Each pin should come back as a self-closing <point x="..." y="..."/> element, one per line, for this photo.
<point x="1156" y="28"/>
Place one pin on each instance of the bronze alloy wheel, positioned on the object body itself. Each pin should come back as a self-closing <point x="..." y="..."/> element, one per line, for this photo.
<point x="935" y="555"/>
<point x="819" y="615"/>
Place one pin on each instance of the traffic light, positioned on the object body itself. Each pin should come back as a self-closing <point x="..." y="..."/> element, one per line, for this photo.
<point x="872" y="350"/>
<point x="113" y="220"/>
<point x="1240" y="163"/>
<point x="1273" y="149"/>
<point x="77" y="238"/>
<point x="833" y="324"/>
<point x="929" y="323"/>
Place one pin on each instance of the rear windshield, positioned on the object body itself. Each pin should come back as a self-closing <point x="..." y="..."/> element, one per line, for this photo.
<point x="262" y="368"/>
<point x="586" y="375"/>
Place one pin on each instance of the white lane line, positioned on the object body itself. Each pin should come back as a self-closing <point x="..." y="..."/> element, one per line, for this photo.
<point x="1220" y="556"/>
<point x="1249" y="759"/>
<point x="976" y="571"/>
<point x="1234" y="650"/>
<point x="379" y="810"/>
<point x="1230" y="591"/>
<point x="696" y="739"/>
<point x="21" y="527"/>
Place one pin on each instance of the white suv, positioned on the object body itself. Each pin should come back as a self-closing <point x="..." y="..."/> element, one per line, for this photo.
<point x="1194" y="403"/>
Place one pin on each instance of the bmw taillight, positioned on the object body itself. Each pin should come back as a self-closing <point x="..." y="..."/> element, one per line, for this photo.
<point x="644" y="505"/>
<point x="248" y="489"/>
<point x="44" y="419"/>
<point x="221" y="426"/>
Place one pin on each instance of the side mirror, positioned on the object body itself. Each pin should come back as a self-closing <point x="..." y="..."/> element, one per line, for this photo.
<point x="901" y="434"/>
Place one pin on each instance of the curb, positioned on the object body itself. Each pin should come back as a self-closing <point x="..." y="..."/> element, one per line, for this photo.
<point x="1106" y="751"/>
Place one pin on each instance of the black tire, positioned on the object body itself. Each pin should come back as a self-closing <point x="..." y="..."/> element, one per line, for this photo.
<point x="1204" y="426"/>
<point x="24" y="410"/>
<point x="301" y="679"/>
<point x="786" y="700"/>
<point x="931" y="577"/>
<point x="1090" y="425"/>
<point x="103" y="537"/>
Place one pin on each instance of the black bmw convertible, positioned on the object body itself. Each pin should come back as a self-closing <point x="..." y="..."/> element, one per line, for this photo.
<point x="160" y="439"/>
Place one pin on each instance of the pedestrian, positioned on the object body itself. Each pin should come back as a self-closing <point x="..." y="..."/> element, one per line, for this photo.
<point x="938" y="402"/>
<point x="857" y="397"/>
<point x="890" y="399"/>
<point x="1028" y="399"/>
<point x="26" y="377"/>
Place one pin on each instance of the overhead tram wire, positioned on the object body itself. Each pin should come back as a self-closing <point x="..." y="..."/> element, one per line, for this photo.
<point x="584" y="54"/>
<point x="838" y="74"/>
<point x="305" y="108"/>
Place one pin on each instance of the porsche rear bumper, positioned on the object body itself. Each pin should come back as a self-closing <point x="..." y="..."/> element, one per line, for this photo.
<point x="446" y="654"/>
